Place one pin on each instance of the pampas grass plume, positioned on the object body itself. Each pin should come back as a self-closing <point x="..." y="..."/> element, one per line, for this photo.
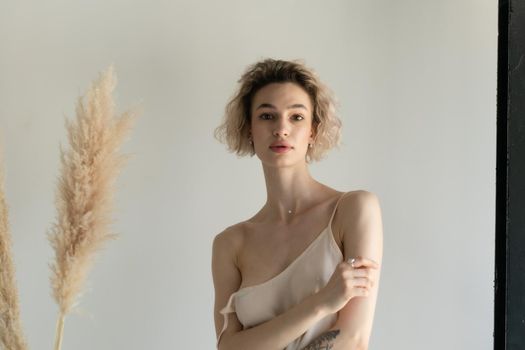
<point x="11" y="337"/>
<point x="84" y="194"/>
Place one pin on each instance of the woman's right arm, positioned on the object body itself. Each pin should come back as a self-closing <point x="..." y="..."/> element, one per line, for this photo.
<point x="280" y="331"/>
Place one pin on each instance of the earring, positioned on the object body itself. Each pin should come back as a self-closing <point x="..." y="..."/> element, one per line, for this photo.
<point x="310" y="145"/>
<point x="251" y="141"/>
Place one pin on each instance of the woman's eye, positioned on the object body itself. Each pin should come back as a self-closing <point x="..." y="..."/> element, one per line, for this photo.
<point x="265" y="116"/>
<point x="298" y="117"/>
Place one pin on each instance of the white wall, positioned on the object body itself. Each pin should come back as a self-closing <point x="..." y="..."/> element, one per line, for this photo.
<point x="416" y="80"/>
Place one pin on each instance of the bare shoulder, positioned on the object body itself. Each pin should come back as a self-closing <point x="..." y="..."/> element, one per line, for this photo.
<point x="229" y="240"/>
<point x="359" y="200"/>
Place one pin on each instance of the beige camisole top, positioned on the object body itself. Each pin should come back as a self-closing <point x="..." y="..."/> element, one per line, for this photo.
<point x="306" y="275"/>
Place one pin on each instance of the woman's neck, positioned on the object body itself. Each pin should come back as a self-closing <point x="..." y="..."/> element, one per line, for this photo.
<point x="289" y="190"/>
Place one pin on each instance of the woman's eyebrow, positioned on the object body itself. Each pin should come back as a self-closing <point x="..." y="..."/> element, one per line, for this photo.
<point x="269" y="105"/>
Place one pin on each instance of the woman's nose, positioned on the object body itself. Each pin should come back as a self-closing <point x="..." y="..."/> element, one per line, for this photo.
<point x="280" y="132"/>
<point x="281" y="129"/>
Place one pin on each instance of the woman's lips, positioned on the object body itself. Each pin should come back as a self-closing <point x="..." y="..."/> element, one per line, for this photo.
<point x="280" y="149"/>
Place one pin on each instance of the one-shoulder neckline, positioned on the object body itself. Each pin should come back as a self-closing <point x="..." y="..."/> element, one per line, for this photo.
<point x="328" y="228"/>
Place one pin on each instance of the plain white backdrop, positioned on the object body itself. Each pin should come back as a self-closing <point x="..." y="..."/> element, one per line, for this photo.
<point x="416" y="82"/>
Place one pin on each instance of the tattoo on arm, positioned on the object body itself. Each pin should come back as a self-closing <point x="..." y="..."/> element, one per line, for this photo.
<point x="323" y="342"/>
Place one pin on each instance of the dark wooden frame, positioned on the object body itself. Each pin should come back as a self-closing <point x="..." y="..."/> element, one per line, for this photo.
<point x="509" y="282"/>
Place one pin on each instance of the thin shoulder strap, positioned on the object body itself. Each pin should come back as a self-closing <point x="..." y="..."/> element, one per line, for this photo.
<point x="230" y="307"/>
<point x="335" y="207"/>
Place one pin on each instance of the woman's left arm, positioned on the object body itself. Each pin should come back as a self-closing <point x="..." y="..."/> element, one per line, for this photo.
<point x="362" y="231"/>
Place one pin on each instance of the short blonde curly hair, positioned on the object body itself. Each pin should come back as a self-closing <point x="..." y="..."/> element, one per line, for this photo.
<point x="234" y="130"/>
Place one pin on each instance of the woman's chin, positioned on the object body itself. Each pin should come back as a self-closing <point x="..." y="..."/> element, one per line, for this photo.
<point x="281" y="160"/>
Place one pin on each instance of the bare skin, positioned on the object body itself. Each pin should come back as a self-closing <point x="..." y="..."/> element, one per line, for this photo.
<point x="323" y="342"/>
<point x="264" y="245"/>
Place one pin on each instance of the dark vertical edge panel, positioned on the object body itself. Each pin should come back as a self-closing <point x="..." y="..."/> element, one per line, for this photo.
<point x="501" y="180"/>
<point x="509" y="303"/>
<point x="516" y="178"/>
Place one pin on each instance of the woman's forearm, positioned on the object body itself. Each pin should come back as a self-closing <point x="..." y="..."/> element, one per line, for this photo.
<point x="280" y="331"/>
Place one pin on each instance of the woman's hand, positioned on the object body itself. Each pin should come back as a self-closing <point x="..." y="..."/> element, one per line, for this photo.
<point x="352" y="278"/>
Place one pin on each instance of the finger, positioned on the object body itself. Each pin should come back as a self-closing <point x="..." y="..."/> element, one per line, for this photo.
<point x="366" y="261"/>
<point x="362" y="272"/>
<point x="345" y="266"/>
<point x="362" y="261"/>
<point x="369" y="283"/>
<point x="361" y="282"/>
<point x="365" y="280"/>
<point x="351" y="261"/>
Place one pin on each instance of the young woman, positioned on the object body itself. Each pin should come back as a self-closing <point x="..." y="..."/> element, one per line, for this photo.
<point x="303" y="272"/>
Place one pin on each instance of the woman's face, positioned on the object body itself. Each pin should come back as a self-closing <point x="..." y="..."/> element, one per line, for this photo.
<point x="281" y="124"/>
